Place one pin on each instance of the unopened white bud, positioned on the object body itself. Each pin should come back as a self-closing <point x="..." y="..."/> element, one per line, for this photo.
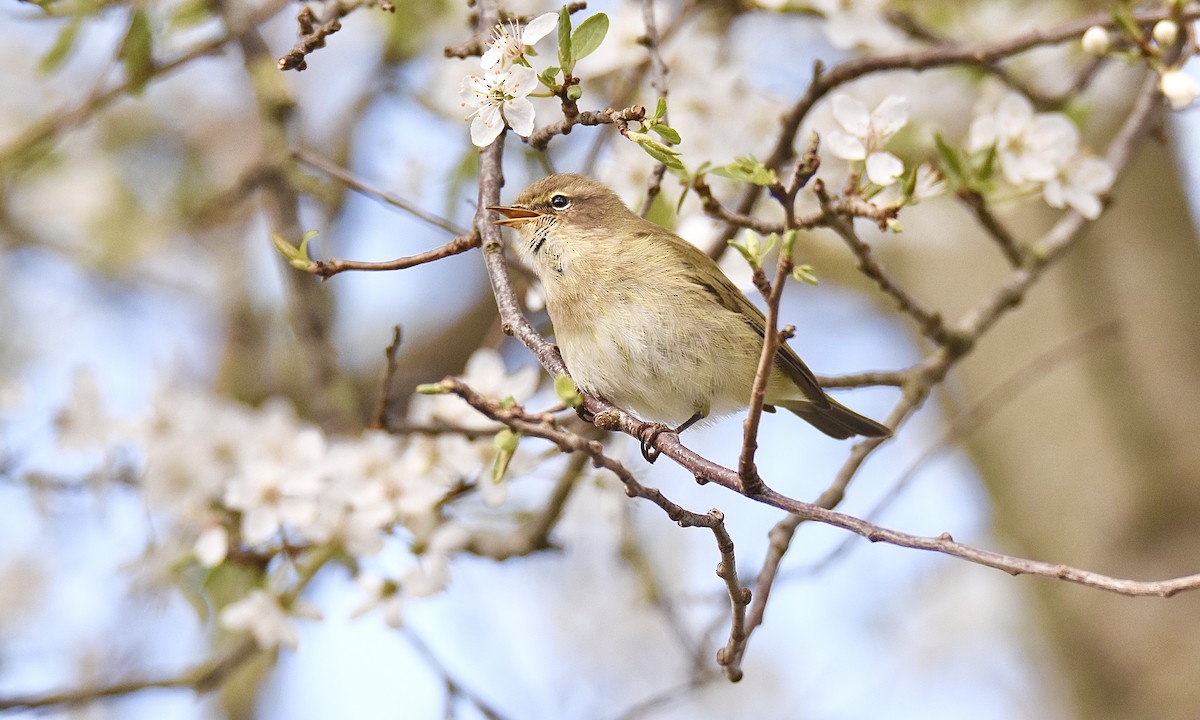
<point x="1166" y="32"/>
<point x="1179" y="88"/>
<point x="1096" y="41"/>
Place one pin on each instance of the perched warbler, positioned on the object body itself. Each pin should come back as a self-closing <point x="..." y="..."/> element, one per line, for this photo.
<point x="647" y="321"/>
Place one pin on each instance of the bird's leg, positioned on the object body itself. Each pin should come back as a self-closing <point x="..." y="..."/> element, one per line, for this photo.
<point x="652" y="432"/>
<point x="586" y="415"/>
<point x="695" y="418"/>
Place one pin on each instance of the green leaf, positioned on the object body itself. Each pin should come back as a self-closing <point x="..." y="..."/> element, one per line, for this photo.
<point x="663" y="154"/>
<point x="431" y="389"/>
<point x="749" y="246"/>
<point x="747" y="169"/>
<point x="805" y="274"/>
<point x="646" y="142"/>
<point x="304" y="244"/>
<point x="588" y="36"/>
<point x="567" y="391"/>
<point x="950" y="161"/>
<point x="297" y="257"/>
<point x="574" y="93"/>
<point x="789" y="242"/>
<point x="137" y="52"/>
<point x="564" y="41"/>
<point x="660" y="110"/>
<point x="506" y="442"/>
<point x="987" y="168"/>
<point x="667" y="133"/>
<point x="682" y="196"/>
<point x="910" y="181"/>
<point x="63" y="44"/>
<point x="549" y="77"/>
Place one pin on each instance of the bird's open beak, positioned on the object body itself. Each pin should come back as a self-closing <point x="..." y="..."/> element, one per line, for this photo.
<point x="514" y="217"/>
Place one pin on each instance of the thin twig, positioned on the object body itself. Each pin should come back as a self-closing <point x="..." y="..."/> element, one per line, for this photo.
<point x="1005" y="240"/>
<point x="541" y="137"/>
<point x="971" y="419"/>
<point x="379" y="419"/>
<point x="203" y="677"/>
<point x="461" y="244"/>
<point x="929" y="322"/>
<point x="357" y="184"/>
<point x="454" y="688"/>
<point x="314" y="31"/>
<point x="658" y="81"/>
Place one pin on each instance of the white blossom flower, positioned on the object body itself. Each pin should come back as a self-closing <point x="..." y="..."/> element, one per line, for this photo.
<point x="497" y="98"/>
<point x="866" y="132"/>
<point x="1080" y="185"/>
<point x="1179" y="88"/>
<point x="212" y="546"/>
<point x="1095" y="40"/>
<point x="855" y="24"/>
<point x="486" y="374"/>
<point x="1030" y="147"/>
<point x="260" y="614"/>
<point x="431" y="572"/>
<point x="929" y="183"/>
<point x="509" y="41"/>
<point x="380" y="594"/>
<point x="272" y="492"/>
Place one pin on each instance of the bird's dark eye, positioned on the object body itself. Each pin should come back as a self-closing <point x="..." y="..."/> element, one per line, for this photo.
<point x="560" y="202"/>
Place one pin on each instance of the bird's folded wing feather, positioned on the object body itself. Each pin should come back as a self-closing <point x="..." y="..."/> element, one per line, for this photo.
<point x="728" y="296"/>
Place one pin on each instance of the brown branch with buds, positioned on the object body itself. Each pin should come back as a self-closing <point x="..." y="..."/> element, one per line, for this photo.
<point x="314" y="31"/>
<point x="326" y="269"/>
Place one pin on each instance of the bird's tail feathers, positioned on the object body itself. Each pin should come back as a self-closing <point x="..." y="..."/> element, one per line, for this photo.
<point x="836" y="420"/>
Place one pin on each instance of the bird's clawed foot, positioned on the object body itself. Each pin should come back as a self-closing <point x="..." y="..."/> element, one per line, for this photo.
<point x="648" y="436"/>
<point x="652" y="430"/>
<point x="586" y="415"/>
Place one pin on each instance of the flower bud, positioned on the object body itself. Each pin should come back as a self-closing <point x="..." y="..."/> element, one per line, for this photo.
<point x="1165" y="32"/>
<point x="1096" y="41"/>
<point x="1179" y="88"/>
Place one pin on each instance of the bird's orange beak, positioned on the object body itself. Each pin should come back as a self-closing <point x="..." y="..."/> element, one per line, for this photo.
<point x="514" y="217"/>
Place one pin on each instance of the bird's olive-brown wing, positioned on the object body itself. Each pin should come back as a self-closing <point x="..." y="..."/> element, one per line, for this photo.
<point x="709" y="277"/>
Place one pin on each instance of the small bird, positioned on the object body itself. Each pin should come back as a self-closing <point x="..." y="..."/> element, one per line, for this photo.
<point x="650" y="323"/>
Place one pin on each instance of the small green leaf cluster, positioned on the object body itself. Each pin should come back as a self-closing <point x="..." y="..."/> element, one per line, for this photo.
<point x="297" y="257"/>
<point x="747" y="168"/>
<point x="573" y="45"/>
<point x="661" y="152"/>
<point x="964" y="171"/>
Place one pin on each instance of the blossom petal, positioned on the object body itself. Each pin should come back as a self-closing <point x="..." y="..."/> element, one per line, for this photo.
<point x="483" y="134"/>
<point x="884" y="168"/>
<point x="520" y="81"/>
<point x="491" y="57"/>
<point x="519" y="114"/>
<point x="845" y="145"/>
<point x="1013" y="114"/>
<point x="852" y="115"/>
<point x="890" y="116"/>
<point x="1093" y="174"/>
<point x="983" y="133"/>
<point x="539" y="27"/>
